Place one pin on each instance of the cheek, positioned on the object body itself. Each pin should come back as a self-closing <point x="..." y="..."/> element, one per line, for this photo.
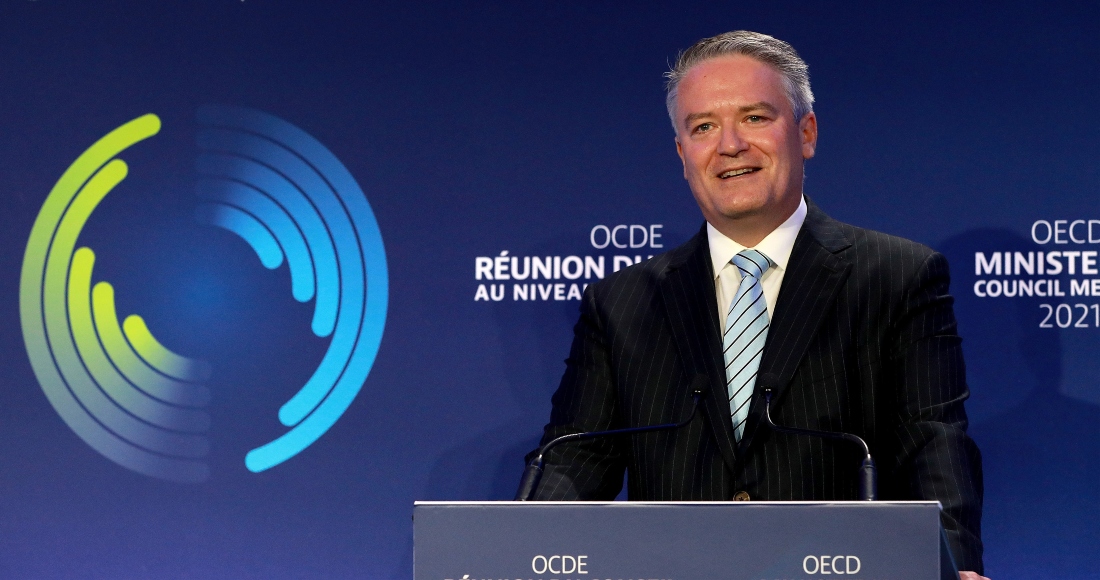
<point x="792" y="146"/>
<point x="702" y="155"/>
<point x="775" y="145"/>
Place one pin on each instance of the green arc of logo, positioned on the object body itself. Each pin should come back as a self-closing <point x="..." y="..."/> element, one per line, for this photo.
<point x="121" y="391"/>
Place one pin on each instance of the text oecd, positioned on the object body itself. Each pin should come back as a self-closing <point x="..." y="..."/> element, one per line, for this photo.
<point x="830" y="565"/>
<point x="1066" y="232"/>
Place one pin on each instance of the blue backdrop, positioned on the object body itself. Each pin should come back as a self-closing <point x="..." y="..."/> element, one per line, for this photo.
<point x="481" y="132"/>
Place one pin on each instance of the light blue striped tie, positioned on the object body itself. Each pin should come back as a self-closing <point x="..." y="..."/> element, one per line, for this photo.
<point x="744" y="335"/>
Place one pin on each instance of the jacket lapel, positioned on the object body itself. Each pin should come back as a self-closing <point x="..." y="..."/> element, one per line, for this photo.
<point x="687" y="290"/>
<point x="815" y="272"/>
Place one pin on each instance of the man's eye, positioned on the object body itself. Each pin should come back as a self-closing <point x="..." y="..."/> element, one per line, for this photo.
<point x="704" y="127"/>
<point x="754" y="119"/>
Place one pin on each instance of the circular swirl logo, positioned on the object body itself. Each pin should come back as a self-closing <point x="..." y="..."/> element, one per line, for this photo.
<point x="114" y="384"/>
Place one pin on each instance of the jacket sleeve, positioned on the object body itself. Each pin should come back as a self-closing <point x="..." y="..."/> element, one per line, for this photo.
<point x="935" y="458"/>
<point x="585" y="401"/>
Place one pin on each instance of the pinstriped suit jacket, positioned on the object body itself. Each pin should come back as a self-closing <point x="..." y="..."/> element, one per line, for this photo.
<point x="863" y="340"/>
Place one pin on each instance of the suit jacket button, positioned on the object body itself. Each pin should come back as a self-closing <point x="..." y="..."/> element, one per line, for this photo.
<point x="741" y="496"/>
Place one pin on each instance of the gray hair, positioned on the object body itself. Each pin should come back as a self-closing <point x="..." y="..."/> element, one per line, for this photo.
<point x="766" y="49"/>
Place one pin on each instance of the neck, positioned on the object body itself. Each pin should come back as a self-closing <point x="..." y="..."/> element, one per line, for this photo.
<point x="747" y="236"/>
<point x="750" y="230"/>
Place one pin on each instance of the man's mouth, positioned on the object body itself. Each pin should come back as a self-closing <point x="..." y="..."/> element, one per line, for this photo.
<point x="737" y="172"/>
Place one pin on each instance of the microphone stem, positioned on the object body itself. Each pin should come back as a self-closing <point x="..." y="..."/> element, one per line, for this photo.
<point x="868" y="474"/>
<point x="533" y="473"/>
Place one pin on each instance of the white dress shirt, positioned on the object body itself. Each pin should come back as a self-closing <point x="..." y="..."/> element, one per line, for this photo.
<point x="776" y="245"/>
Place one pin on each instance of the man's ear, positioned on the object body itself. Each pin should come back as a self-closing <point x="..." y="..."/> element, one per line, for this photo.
<point x="680" y="152"/>
<point x="807" y="128"/>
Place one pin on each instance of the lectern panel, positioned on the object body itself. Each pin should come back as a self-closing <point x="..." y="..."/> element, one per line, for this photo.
<point x="677" y="541"/>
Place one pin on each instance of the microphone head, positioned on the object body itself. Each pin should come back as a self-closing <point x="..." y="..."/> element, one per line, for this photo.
<point x="766" y="385"/>
<point x="699" y="385"/>
<point x="768" y="382"/>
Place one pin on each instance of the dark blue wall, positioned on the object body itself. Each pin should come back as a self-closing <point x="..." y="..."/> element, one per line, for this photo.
<point x="481" y="127"/>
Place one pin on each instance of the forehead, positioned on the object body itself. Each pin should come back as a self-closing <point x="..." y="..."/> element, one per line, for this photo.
<point x="730" y="79"/>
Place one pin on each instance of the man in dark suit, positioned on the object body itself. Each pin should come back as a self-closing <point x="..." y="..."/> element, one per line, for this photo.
<point x="852" y="329"/>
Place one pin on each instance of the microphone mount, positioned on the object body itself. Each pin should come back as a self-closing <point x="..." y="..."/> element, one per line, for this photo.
<point x="868" y="475"/>
<point x="533" y="473"/>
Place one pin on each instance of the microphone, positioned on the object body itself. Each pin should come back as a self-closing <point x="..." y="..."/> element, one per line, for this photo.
<point x="868" y="476"/>
<point x="533" y="473"/>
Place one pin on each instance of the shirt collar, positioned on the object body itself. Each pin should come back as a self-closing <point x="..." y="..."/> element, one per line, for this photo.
<point x="777" y="245"/>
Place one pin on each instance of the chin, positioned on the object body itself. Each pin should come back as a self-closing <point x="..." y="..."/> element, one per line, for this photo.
<point x="742" y="209"/>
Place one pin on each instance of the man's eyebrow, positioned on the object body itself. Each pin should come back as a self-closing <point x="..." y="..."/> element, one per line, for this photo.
<point x="688" y="120"/>
<point x="758" y="106"/>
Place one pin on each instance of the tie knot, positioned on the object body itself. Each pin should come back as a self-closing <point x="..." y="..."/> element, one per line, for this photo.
<point x="752" y="263"/>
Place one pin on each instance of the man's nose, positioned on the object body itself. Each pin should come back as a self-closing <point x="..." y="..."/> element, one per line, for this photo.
<point x="732" y="141"/>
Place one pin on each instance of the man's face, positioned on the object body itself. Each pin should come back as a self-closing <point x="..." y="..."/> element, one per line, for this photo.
<point x="741" y="146"/>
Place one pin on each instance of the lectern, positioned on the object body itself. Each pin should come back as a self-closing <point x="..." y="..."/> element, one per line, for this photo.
<point x="679" y="541"/>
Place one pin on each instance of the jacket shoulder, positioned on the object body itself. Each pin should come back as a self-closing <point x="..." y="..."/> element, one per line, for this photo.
<point x="874" y="250"/>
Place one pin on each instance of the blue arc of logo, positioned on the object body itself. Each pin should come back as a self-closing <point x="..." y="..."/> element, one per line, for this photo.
<point x="288" y="196"/>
